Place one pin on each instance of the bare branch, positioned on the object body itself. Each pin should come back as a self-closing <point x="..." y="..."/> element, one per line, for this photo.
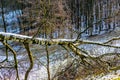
<point x="30" y="58"/>
<point x="15" y="58"/>
<point x="79" y="42"/>
<point x="113" y="39"/>
<point x="48" y="62"/>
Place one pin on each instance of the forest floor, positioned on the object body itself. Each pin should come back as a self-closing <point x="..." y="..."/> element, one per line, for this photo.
<point x="99" y="50"/>
<point x="93" y="50"/>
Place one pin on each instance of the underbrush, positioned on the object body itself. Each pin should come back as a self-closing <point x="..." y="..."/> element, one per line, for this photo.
<point x="89" y="69"/>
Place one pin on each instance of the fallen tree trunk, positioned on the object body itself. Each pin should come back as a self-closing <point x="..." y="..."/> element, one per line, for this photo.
<point x="42" y="41"/>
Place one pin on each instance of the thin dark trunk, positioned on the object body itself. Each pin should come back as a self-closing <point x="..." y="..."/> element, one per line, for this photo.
<point x="4" y="24"/>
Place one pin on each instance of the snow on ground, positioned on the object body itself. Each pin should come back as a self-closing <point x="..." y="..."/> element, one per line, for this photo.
<point x="41" y="73"/>
<point x="105" y="36"/>
<point x="98" y="50"/>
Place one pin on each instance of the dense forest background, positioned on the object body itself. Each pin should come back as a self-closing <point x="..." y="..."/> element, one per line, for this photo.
<point x="59" y="39"/>
<point x="76" y="16"/>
